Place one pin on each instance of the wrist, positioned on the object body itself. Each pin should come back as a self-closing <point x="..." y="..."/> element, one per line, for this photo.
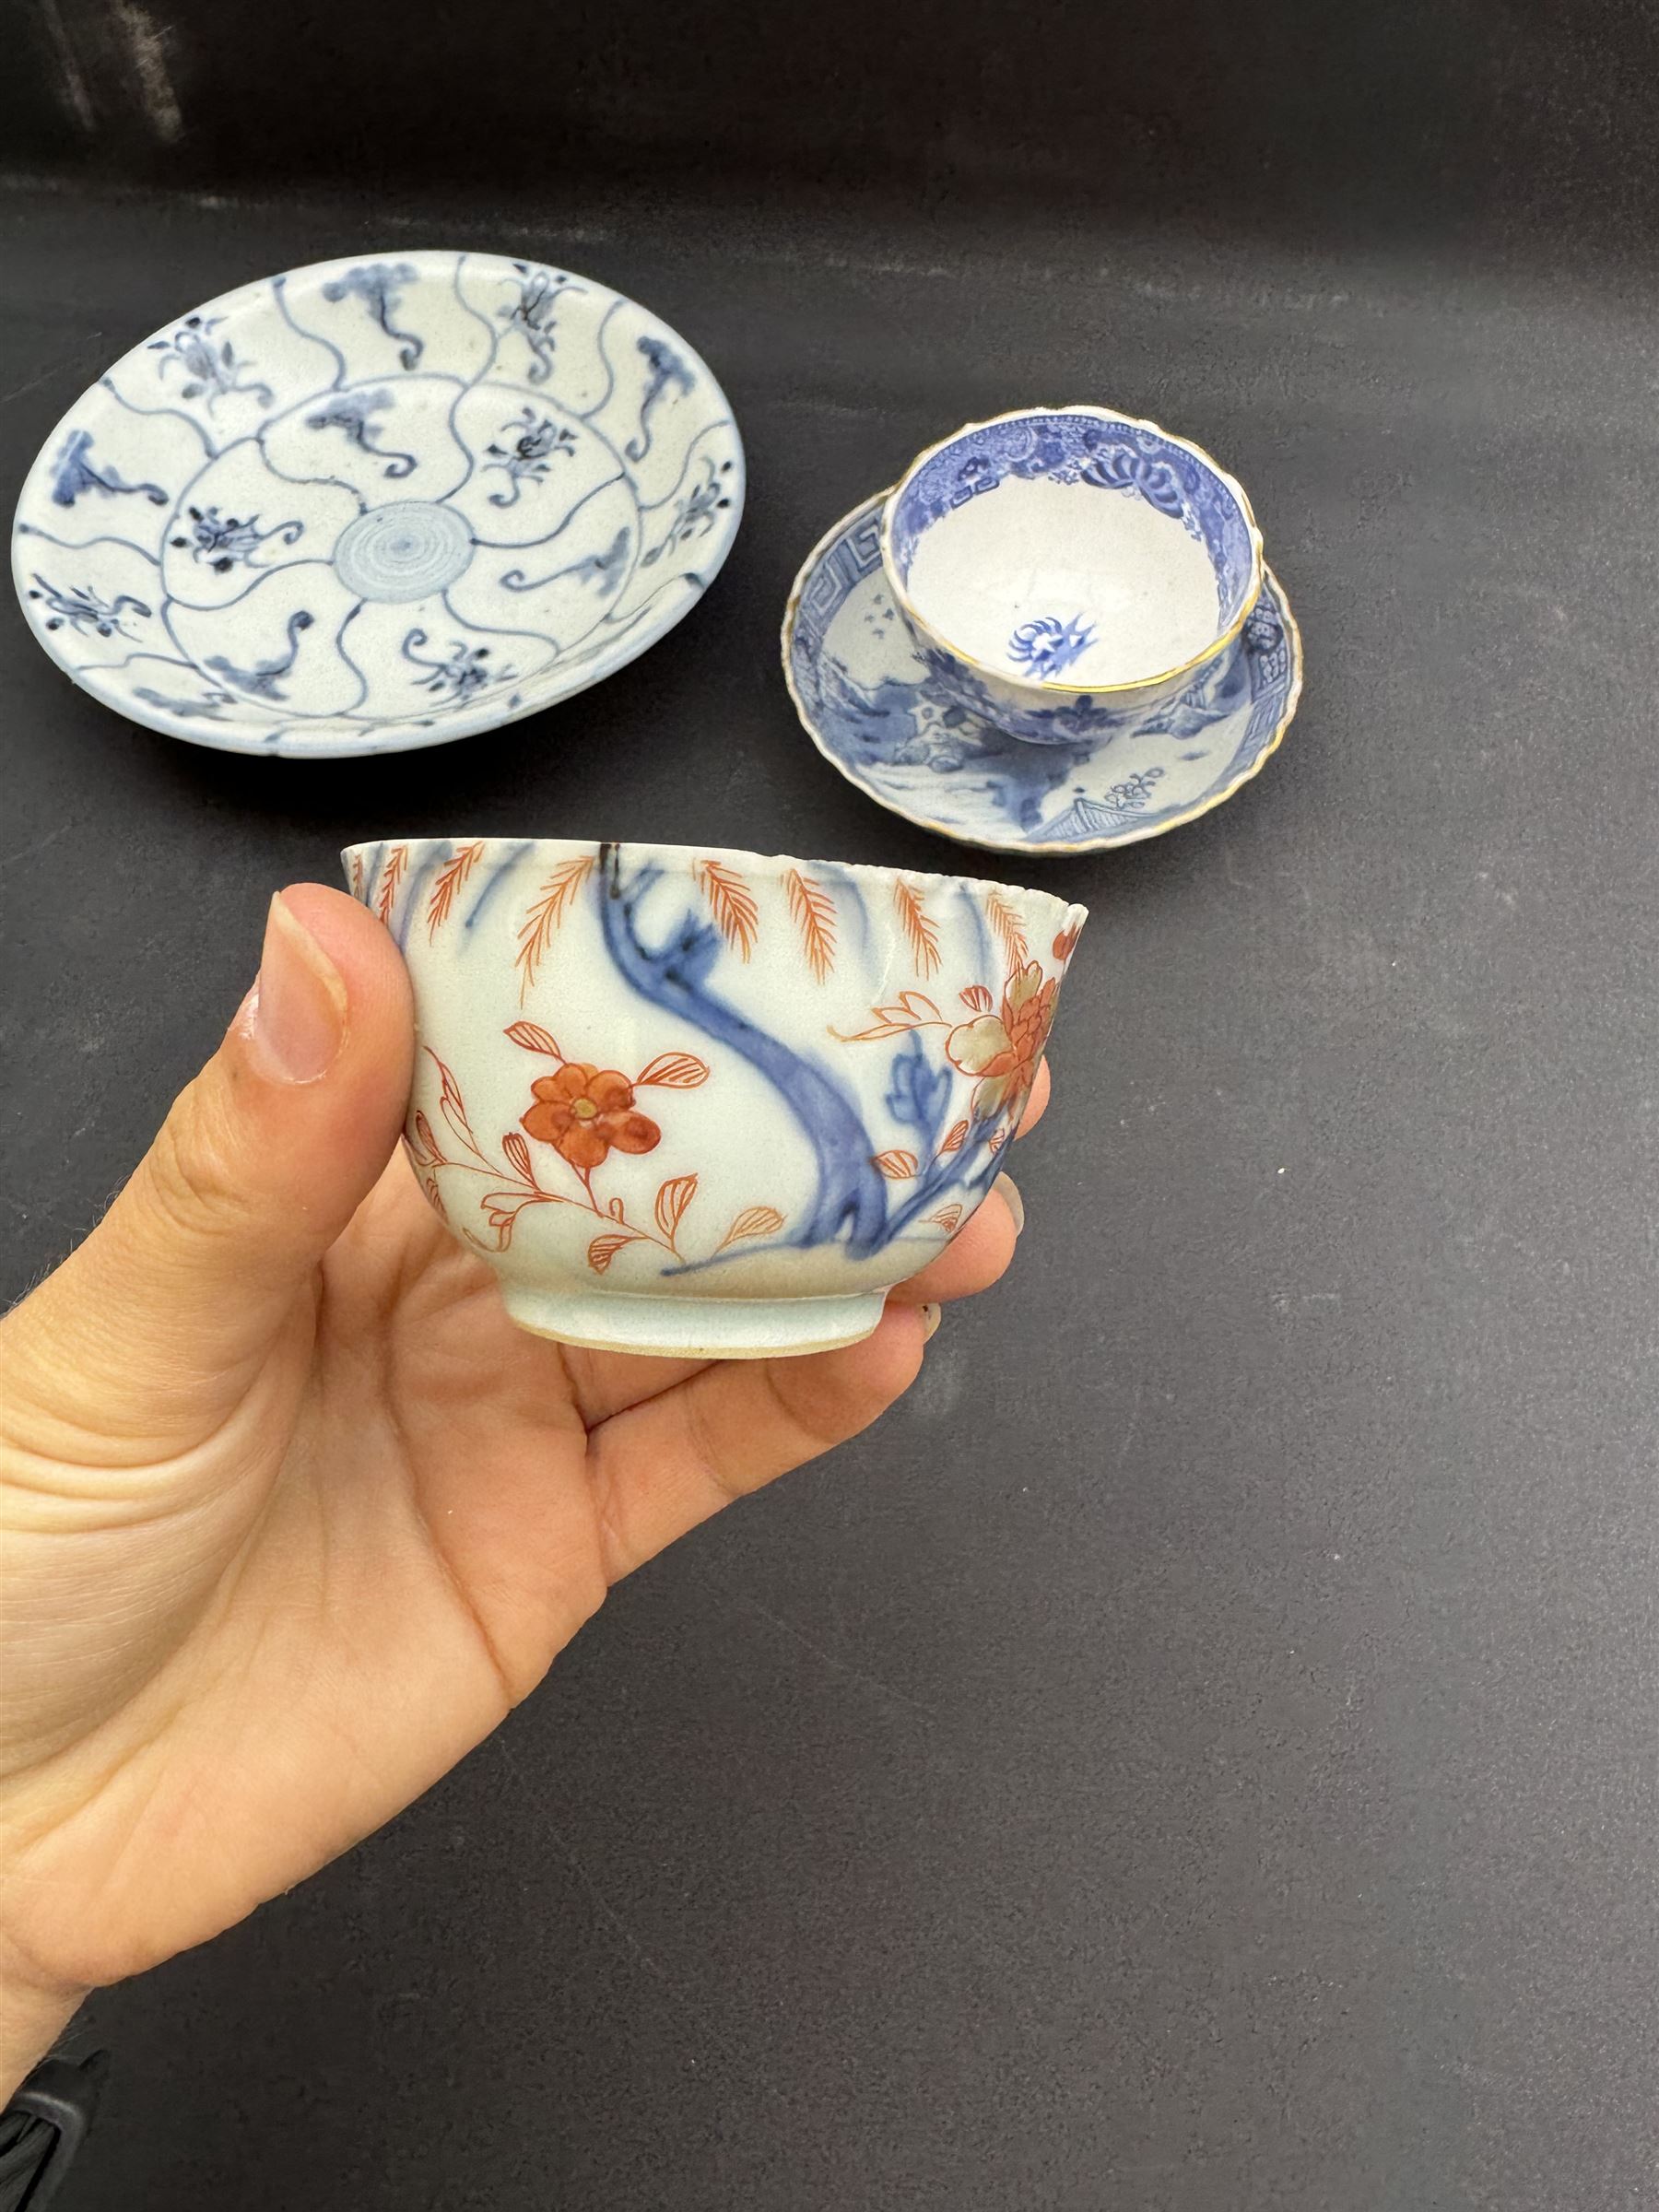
<point x="31" y="2022"/>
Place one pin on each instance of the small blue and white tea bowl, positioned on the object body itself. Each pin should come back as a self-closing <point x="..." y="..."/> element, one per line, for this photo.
<point x="1066" y="570"/>
<point x="706" y="1104"/>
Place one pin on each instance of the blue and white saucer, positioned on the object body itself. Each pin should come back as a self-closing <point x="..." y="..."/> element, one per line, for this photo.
<point x="376" y="504"/>
<point x="871" y="707"/>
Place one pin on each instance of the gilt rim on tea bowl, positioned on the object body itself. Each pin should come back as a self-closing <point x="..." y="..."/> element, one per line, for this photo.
<point x="341" y="445"/>
<point x="1049" y="687"/>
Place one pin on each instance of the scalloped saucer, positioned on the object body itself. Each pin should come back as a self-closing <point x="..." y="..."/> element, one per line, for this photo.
<point x="870" y="706"/>
<point x="378" y="503"/>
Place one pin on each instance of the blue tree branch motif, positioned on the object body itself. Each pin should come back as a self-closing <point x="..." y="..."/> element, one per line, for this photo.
<point x="850" y="1194"/>
<point x="375" y="287"/>
<point x="350" y="412"/>
<point x="73" y="473"/>
<point x="918" y="1097"/>
<point x="262" y="680"/>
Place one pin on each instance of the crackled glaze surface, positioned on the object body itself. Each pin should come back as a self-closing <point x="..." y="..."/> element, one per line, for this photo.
<point x="378" y="503"/>
<point x="873" y="706"/>
<point x="705" y="1099"/>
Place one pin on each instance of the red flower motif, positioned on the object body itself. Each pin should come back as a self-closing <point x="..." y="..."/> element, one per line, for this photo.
<point x="1065" y="941"/>
<point x="1002" y="1049"/>
<point x="583" y="1110"/>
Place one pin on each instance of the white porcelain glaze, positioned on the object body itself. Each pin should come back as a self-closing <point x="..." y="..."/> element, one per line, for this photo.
<point x="1108" y="592"/>
<point x="706" y="1103"/>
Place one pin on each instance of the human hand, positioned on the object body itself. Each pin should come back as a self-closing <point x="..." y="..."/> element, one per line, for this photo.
<point x="291" y="1514"/>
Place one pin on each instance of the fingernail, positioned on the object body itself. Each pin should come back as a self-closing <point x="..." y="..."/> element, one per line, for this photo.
<point x="931" y="1318"/>
<point x="295" y="1019"/>
<point x="1012" y="1199"/>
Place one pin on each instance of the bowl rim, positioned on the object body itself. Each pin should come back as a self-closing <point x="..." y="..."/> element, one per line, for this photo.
<point x="1044" y="687"/>
<point x="683" y="856"/>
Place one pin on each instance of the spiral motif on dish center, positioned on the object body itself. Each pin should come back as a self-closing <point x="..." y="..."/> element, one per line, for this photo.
<point x="405" y="550"/>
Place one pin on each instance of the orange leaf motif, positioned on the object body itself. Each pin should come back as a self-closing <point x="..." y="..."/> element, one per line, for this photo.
<point x="948" y="1218"/>
<point x="397" y="860"/>
<point x="435" y="1197"/>
<point x="883" y="1028"/>
<point x="898" y="1167"/>
<point x="976" y="998"/>
<point x="915" y="1010"/>
<point x="732" y="903"/>
<point x="534" y="1039"/>
<point x="535" y="932"/>
<point x="450" y="878"/>
<point x="503" y="1208"/>
<point x="452" y="1104"/>
<point x="616" y="1210"/>
<point x="357" y="874"/>
<point x="672" y="1200"/>
<point x="814" y="911"/>
<point x="518" y="1152"/>
<point x="675" y="1071"/>
<point x="604" y="1250"/>
<point x="957" y="1139"/>
<point x="923" y="935"/>
<point x="1004" y="921"/>
<point x="428" y="1142"/>
<point x="753" y="1221"/>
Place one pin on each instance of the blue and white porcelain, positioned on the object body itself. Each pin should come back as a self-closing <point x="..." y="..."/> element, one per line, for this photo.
<point x="705" y="1103"/>
<point x="878" y="710"/>
<point x="1066" y="570"/>
<point x="378" y="503"/>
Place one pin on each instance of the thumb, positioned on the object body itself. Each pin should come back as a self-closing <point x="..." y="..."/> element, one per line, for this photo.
<point x="162" y="1315"/>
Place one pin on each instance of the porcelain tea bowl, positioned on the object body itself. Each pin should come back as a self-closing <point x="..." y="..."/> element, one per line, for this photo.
<point x="704" y="1103"/>
<point x="1068" y="571"/>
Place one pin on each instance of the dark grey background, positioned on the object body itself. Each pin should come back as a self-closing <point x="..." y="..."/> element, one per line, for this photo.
<point x="1199" y="1754"/>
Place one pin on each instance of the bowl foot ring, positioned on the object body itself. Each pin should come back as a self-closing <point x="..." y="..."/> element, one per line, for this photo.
<point x="696" y="1328"/>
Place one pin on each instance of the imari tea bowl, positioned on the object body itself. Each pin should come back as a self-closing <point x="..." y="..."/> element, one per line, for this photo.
<point x="702" y="1102"/>
<point x="1066" y="570"/>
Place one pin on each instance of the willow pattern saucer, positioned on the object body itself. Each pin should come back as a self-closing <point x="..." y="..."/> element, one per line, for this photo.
<point x="377" y="504"/>
<point x="872" y="708"/>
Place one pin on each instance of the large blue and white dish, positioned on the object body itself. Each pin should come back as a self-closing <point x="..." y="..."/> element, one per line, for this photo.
<point x="1067" y="569"/>
<point x="378" y="503"/>
<point x="875" y="708"/>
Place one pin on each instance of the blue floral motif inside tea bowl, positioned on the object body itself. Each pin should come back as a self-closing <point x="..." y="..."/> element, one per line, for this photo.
<point x="703" y="1102"/>
<point x="378" y="503"/>
<point x="875" y="708"/>
<point x="1066" y="570"/>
